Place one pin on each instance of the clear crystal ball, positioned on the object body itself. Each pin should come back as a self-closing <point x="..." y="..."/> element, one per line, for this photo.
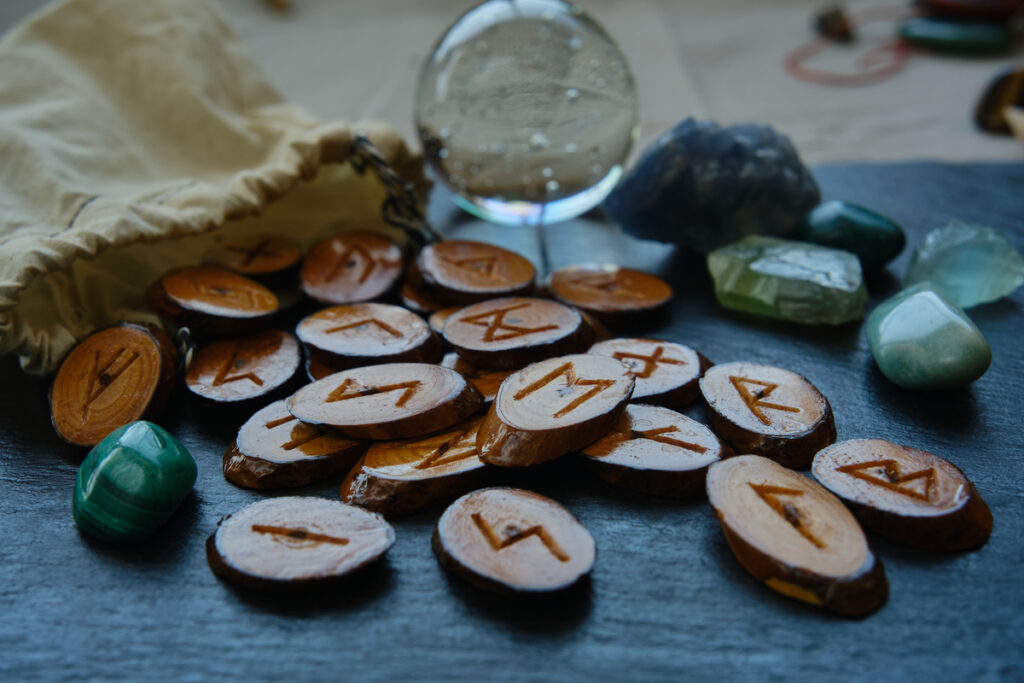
<point x="526" y="110"/>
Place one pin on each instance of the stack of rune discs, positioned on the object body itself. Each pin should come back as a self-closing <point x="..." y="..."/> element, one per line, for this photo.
<point x="531" y="375"/>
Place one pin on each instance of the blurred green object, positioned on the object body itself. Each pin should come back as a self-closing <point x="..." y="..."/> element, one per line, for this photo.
<point x="956" y="37"/>
<point x="131" y="483"/>
<point x="872" y="237"/>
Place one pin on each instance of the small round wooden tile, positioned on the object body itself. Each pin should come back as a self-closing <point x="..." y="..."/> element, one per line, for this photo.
<point x="437" y="319"/>
<point x="459" y="272"/>
<point x="243" y="368"/>
<point x="513" y="332"/>
<point x="363" y="334"/>
<point x="401" y="477"/>
<point x="609" y="292"/>
<point x="296" y="543"/>
<point x="350" y="268"/>
<point x="657" y="451"/>
<point x="768" y="411"/>
<point x="486" y="381"/>
<point x="272" y="260"/>
<point x="511" y="540"/>
<point x="554" y="407"/>
<point x="906" y="494"/>
<point x="273" y="450"/>
<point x="666" y="373"/>
<point x="793" y="535"/>
<point x="116" y="375"/>
<point x="212" y="301"/>
<point x="384" y="402"/>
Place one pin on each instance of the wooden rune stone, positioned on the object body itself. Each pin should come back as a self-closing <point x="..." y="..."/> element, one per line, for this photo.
<point x="116" y="375"/>
<point x="768" y="411"/>
<point x="296" y="543"/>
<point x="390" y="401"/>
<point x="459" y="272"/>
<point x="906" y="494"/>
<point x="510" y="540"/>
<point x="666" y="373"/>
<point x="271" y="260"/>
<point x="401" y="477"/>
<point x="342" y="337"/>
<point x="212" y="301"/>
<point x="486" y="381"/>
<point x="657" y="451"/>
<point x="243" y="368"/>
<point x="553" y="407"/>
<point x="792" y="534"/>
<point x="274" y="450"/>
<point x="608" y="292"/>
<point x="509" y="333"/>
<point x="350" y="268"/>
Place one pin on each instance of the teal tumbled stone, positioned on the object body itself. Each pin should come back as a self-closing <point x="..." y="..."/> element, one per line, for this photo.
<point x="796" y="281"/>
<point x="921" y="340"/>
<point x="970" y="264"/>
<point x="131" y="483"/>
<point x="872" y="237"/>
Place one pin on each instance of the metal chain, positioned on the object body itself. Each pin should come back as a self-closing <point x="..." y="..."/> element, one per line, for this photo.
<point x="400" y="207"/>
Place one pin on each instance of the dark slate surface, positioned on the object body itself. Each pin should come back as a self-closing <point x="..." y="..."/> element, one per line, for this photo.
<point x="666" y="600"/>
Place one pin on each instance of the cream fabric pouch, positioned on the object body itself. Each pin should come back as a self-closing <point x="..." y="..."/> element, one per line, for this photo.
<point x="133" y="134"/>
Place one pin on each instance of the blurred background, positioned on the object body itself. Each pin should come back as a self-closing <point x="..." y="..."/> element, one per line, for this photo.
<point x="712" y="59"/>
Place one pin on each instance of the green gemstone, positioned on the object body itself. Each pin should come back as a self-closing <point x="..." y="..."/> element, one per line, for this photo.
<point x="970" y="264"/>
<point x="790" y="280"/>
<point x="956" y="36"/>
<point x="131" y="483"/>
<point x="872" y="237"/>
<point x="921" y="340"/>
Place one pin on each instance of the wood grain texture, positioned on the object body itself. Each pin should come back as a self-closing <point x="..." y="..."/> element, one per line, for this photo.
<point x="666" y="600"/>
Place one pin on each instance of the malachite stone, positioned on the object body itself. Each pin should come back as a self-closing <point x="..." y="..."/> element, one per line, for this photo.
<point x="956" y="36"/>
<point x="970" y="264"/>
<point x="872" y="237"/>
<point x="921" y="340"/>
<point x="796" y="281"/>
<point x="131" y="482"/>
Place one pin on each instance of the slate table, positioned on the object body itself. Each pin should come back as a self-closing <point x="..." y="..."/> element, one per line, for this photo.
<point x="666" y="599"/>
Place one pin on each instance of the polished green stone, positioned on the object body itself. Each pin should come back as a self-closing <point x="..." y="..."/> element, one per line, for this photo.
<point x="872" y="237"/>
<point x="796" y="281"/>
<point x="131" y="482"/>
<point x="962" y="37"/>
<point x="970" y="264"/>
<point x="921" y="340"/>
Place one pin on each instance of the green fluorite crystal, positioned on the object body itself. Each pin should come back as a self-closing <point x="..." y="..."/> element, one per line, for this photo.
<point x="921" y="340"/>
<point x="872" y="237"/>
<point x="791" y="280"/>
<point x="970" y="264"/>
<point x="131" y="482"/>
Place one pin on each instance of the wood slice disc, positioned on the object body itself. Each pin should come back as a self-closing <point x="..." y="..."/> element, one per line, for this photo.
<point x="486" y="381"/>
<point x="513" y="332"/>
<point x="437" y="319"/>
<point x="271" y="260"/>
<point x="384" y="402"/>
<point x="666" y="373"/>
<point x="363" y="334"/>
<point x="554" y="407"/>
<point x="608" y="292"/>
<point x="413" y="294"/>
<point x="658" y="451"/>
<point x="116" y="375"/>
<point x="350" y="268"/>
<point x="401" y="477"/>
<point x="905" y="494"/>
<point x="768" y="411"/>
<point x="511" y="540"/>
<point x="459" y="272"/>
<point x="296" y="543"/>
<point x="792" y="534"/>
<point x="243" y="368"/>
<point x="273" y="450"/>
<point x="318" y="369"/>
<point x="212" y="301"/>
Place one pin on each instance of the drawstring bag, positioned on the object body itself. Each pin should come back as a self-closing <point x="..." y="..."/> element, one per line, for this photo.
<point x="135" y="134"/>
